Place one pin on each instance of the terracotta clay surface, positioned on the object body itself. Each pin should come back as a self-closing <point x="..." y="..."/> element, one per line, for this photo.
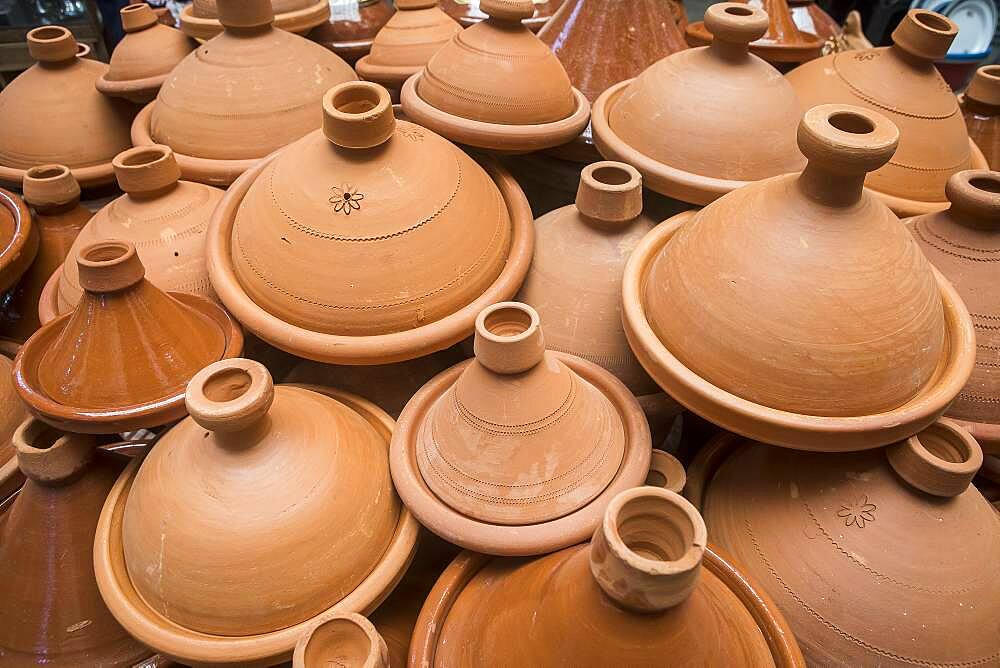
<point x="341" y="639"/>
<point x="12" y="411"/>
<point x="784" y="41"/>
<point x="981" y="110"/>
<point x="470" y="12"/>
<point x="352" y="26"/>
<point x="827" y="329"/>
<point x="201" y="19"/>
<point x="52" y="113"/>
<point x="901" y="82"/>
<point x="671" y="147"/>
<point x="845" y="546"/>
<point x="18" y="239"/>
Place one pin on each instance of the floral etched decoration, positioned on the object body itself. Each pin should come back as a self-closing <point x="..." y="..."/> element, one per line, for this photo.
<point x="858" y="513"/>
<point x="346" y="198"/>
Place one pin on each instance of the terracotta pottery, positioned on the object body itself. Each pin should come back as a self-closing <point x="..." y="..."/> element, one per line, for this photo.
<point x="497" y="86"/>
<point x="849" y="545"/>
<point x="809" y="17"/>
<point x="52" y="113"/>
<point x="341" y="639"/>
<point x="646" y="587"/>
<point x="345" y="248"/>
<point x="469" y="12"/>
<point x="640" y="121"/>
<point x="854" y="34"/>
<point x="142" y="61"/>
<point x="54" y="196"/>
<point x="237" y="98"/>
<point x="981" y="109"/>
<point x="164" y="217"/>
<point x="901" y="82"/>
<point x="203" y="19"/>
<point x="12" y="411"/>
<point x="518" y="451"/>
<point x="828" y="329"/>
<point x="783" y="43"/>
<point x="184" y="566"/>
<point x="963" y="243"/>
<point x="18" y="239"/>
<point x="121" y="359"/>
<point x="53" y="614"/>
<point x="352" y="26"/>
<point x="406" y="43"/>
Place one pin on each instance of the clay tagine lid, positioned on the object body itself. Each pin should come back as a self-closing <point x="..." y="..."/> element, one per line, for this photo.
<point x="164" y="217"/>
<point x="346" y="249"/>
<point x="470" y="12"/>
<point x="646" y="587"/>
<point x="18" y="239"/>
<point x="203" y="19"/>
<point x="981" y="109"/>
<point x="184" y="567"/>
<point x="902" y="82"/>
<point x="121" y="359"/>
<point x="809" y="17"/>
<point x="12" y="411"/>
<point x="402" y="48"/>
<point x="829" y="330"/>
<point x="240" y="96"/>
<point x="783" y="43"/>
<point x="518" y="451"/>
<point x="676" y="153"/>
<point x="497" y="86"/>
<point x="845" y="543"/>
<point x="352" y="26"/>
<point x="341" y="639"/>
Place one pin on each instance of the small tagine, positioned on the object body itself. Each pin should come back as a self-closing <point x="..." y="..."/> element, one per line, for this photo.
<point x="828" y="329"/>
<point x="497" y="86"/>
<point x="851" y="546"/>
<point x="341" y="639"/>
<point x="783" y="44"/>
<point x="518" y="451"/>
<point x="18" y="239"/>
<point x="346" y="248"/>
<point x="646" y="587"/>
<point x="981" y="109"/>
<point x="901" y="82"/>
<point x="203" y="19"/>
<point x="352" y="27"/>
<point x="164" y="217"/>
<point x="184" y="566"/>
<point x="469" y="12"/>
<point x="142" y="61"/>
<point x="12" y="411"/>
<point x="750" y="107"/>
<point x="239" y="97"/>
<point x="121" y="359"/>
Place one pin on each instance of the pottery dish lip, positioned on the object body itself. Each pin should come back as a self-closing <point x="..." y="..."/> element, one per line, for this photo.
<point x="907" y="208"/>
<point x="139" y="91"/>
<point x="187" y="646"/>
<point x="499" y="137"/>
<point x="696" y="34"/>
<point x="390" y="76"/>
<point x="299" y="21"/>
<point x="779" y="427"/>
<point x="18" y="255"/>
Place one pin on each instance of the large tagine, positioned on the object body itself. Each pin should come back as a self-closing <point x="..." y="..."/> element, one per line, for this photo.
<point x="820" y="325"/>
<point x="267" y="508"/>
<point x="352" y="26"/>
<point x="704" y="121"/>
<point x="53" y="114"/>
<point x="469" y="12"/>
<point x="518" y="451"/>
<point x="901" y="82"/>
<point x="18" y="239"/>
<point x="497" y="86"/>
<point x="347" y="248"/>
<point x="784" y="43"/>
<point x="981" y="110"/>
<point x="646" y="591"/>
<point x="203" y="19"/>
<point x="238" y="97"/>
<point x="882" y="557"/>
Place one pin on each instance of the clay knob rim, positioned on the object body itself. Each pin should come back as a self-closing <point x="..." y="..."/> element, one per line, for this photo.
<point x="51" y="44"/>
<point x="146" y="169"/>
<point x="973" y="193"/>
<point x="925" y="34"/>
<point x="245" y="13"/>
<point x="406" y="5"/>
<point x="847" y="139"/>
<point x="508" y="10"/>
<point x="940" y="460"/>
<point x="138" y="16"/>
<point x="109" y="266"/>
<point x="735" y="22"/>
<point x="610" y="192"/>
<point x="230" y="395"/>
<point x="985" y="86"/>
<point x="508" y="338"/>
<point x="358" y="114"/>
<point x="50" y="185"/>
<point x="666" y="472"/>
<point x="347" y="638"/>
<point x="47" y="455"/>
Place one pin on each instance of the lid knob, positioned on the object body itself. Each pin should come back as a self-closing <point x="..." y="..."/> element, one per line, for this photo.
<point x="508" y="338"/>
<point x="109" y="266"/>
<point x="146" y="169"/>
<point x="230" y="395"/>
<point x="974" y="195"/>
<point x="406" y="5"/>
<point x="508" y="10"/>
<point x="51" y="44"/>
<point x="138" y="16"/>
<point x="341" y="639"/>
<point x="941" y="460"/>
<point x="49" y="456"/>
<point x="925" y="34"/>
<point x="735" y="23"/>
<point x="358" y="114"/>
<point x="985" y="86"/>
<point x="50" y="186"/>
<point x="609" y="192"/>
<point x="245" y="13"/>
<point x="666" y="472"/>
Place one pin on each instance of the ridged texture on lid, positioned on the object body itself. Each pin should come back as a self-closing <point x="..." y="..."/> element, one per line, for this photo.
<point x="150" y="52"/>
<point x="411" y="37"/>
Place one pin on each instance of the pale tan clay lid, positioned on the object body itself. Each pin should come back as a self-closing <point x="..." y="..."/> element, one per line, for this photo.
<point x="200" y="19"/>
<point x="783" y="42"/>
<point x="341" y="639"/>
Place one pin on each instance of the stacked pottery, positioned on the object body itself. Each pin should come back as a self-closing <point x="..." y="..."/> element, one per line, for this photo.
<point x="471" y="12"/>
<point x="203" y="19"/>
<point x="352" y="26"/>
<point x="981" y="109"/>
<point x="18" y="238"/>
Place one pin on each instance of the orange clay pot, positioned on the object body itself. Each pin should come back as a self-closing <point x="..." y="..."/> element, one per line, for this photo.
<point x="640" y="121"/>
<point x="240" y="96"/>
<point x="183" y="566"/>
<point x="341" y="639"/>
<point x="469" y="12"/>
<point x="518" y="451"/>
<point x="646" y="587"/>
<point x="18" y="239"/>
<point x="12" y="411"/>
<point x="121" y="359"/>
<point x="352" y="26"/>
<point x="497" y="86"/>
<point x="828" y="329"/>
<point x="981" y="110"/>
<point x="53" y="114"/>
<point x="901" y="82"/>
<point x="164" y="218"/>
<point x="345" y="248"/>
<point x="783" y="43"/>
<point x="849" y="545"/>
<point x="203" y="20"/>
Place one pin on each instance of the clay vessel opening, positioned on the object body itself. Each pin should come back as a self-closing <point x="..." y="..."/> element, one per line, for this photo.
<point x="143" y="157"/>
<point x="655" y="528"/>
<point x="611" y="176"/>
<point x="49" y="33"/>
<point x="355" y="99"/>
<point x="105" y="254"/>
<point x="944" y="445"/>
<point x="132" y="9"/>
<point x="852" y="123"/>
<point x="509" y="322"/>
<point x="48" y="172"/>
<point x="739" y="11"/>
<point x="933" y="22"/>
<point x="656" y="479"/>
<point x="41" y="436"/>
<point x="338" y="642"/>
<point x="990" y="184"/>
<point x="227" y="385"/>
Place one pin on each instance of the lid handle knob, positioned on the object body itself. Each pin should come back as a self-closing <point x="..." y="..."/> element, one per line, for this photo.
<point x="925" y="34"/>
<point x="230" y="395"/>
<point x="974" y="195"/>
<point x="48" y="186"/>
<point x="985" y="86"/>
<point x="358" y="114"/>
<point x="136" y="17"/>
<point x="736" y="23"/>
<point x="341" y="639"/>
<point x="146" y="169"/>
<point x="51" y="44"/>
<point x="941" y="460"/>
<point x="609" y="192"/>
<point x="508" y="10"/>
<point x="49" y="456"/>
<point x="109" y="266"/>
<point x="245" y="13"/>
<point x="509" y="338"/>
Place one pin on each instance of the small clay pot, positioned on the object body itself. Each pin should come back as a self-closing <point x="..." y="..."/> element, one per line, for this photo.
<point x="469" y="12"/>
<point x="341" y="639"/>
<point x="352" y="27"/>
<point x="18" y="239"/>
<point x="783" y="43"/>
<point x="12" y="411"/>
<point x="981" y="110"/>
<point x="203" y="19"/>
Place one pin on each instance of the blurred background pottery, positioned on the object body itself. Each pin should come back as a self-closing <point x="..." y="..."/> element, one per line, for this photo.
<point x="469" y="12"/>
<point x="352" y="26"/>
<point x="18" y="239"/>
<point x="981" y="110"/>
<point x="202" y="18"/>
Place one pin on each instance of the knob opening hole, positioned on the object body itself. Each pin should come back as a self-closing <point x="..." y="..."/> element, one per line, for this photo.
<point x="48" y="172"/>
<point x="932" y="21"/>
<point x="655" y="528"/>
<point x="508" y="322"/>
<point x="106" y="253"/>
<point x="338" y="642"/>
<point x="226" y="385"/>
<point x="990" y="184"/>
<point x="852" y="123"/>
<point x="143" y="156"/>
<point x="355" y="99"/>
<point x="611" y="176"/>
<point x="739" y="11"/>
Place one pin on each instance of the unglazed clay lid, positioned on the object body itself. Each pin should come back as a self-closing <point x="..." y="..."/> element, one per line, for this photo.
<point x="345" y="248"/>
<point x="985" y="86"/>
<point x="783" y="42"/>
<point x="52" y="113"/>
<point x="201" y="18"/>
<point x="828" y="329"/>
<point x="248" y="92"/>
<point x="352" y="26"/>
<point x="469" y="12"/>
<point x="735" y="125"/>
<point x="497" y="86"/>
<point x="18" y="239"/>
<point x="518" y="451"/>
<point x="341" y="639"/>
<point x="121" y="359"/>
<point x="184" y="566"/>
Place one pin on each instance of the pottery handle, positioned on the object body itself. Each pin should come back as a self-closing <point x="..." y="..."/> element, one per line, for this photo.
<point x="51" y="44"/>
<point x="109" y="266"/>
<point x="358" y="115"/>
<point x="508" y="338"/>
<point x="974" y="195"/>
<point x="735" y="23"/>
<point x="508" y="10"/>
<point x="341" y="639"/>
<point x="941" y="460"/>
<point x="230" y="395"/>
<point x="136" y="17"/>
<point x="47" y="186"/>
<point x="245" y="13"/>
<point x="985" y="86"/>
<point x="49" y="456"/>
<point x="925" y="34"/>
<point x="666" y="472"/>
<point x="146" y="170"/>
<point x="609" y="192"/>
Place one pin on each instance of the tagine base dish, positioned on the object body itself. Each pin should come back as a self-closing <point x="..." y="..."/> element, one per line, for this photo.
<point x="300" y="21"/>
<point x="48" y="300"/>
<point x="392" y="77"/>
<point x="811" y="46"/>
<point x="905" y="208"/>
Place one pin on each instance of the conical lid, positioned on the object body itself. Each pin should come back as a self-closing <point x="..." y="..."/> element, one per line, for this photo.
<point x="341" y="639"/>
<point x="18" y="239"/>
<point x="471" y="12"/>
<point x="12" y="410"/>
<point x="201" y="19"/>
<point x="352" y="26"/>
<point x="784" y="42"/>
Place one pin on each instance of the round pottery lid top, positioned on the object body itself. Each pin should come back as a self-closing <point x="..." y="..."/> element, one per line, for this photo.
<point x="783" y="42"/>
<point x="313" y="470"/>
<point x="411" y="37"/>
<point x="149" y="48"/>
<point x="985" y="86"/>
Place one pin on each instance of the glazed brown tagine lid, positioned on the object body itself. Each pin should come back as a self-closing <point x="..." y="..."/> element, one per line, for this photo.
<point x="401" y="49"/>
<point x="352" y="26"/>
<point x="471" y="12"/>
<point x="783" y="43"/>
<point x="981" y="109"/>
<point x="809" y="17"/>
<point x="121" y="359"/>
<point x="345" y="248"/>
<point x="53" y="614"/>
<point x="341" y="639"/>
<point x="646" y="587"/>
<point x="184" y="566"/>
<point x="163" y="217"/>
<point x="12" y="411"/>
<point x="640" y="121"/>
<point x="203" y="19"/>
<point x="240" y="96"/>
<point x="901" y="82"/>
<point x="828" y="329"/>
<point x="849" y="545"/>
<point x="18" y="239"/>
<point x="518" y="451"/>
<point x="497" y="86"/>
